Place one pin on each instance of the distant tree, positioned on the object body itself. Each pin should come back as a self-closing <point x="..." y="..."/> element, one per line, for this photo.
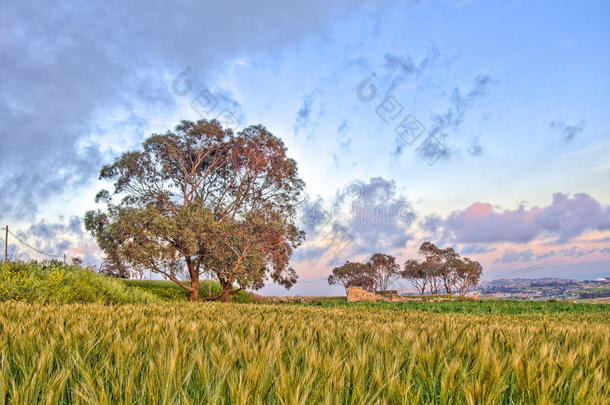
<point x="417" y="272"/>
<point x="385" y="269"/>
<point x="450" y="260"/>
<point x="434" y="264"/>
<point x="353" y="274"/>
<point x="115" y="269"/>
<point x="468" y="273"/>
<point x="203" y="199"/>
<point x="442" y="263"/>
<point x="441" y="268"/>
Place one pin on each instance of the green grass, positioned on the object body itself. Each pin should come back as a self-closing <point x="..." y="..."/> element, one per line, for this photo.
<point x="194" y="353"/>
<point x="478" y="307"/>
<point x="54" y="282"/>
<point x="170" y="291"/>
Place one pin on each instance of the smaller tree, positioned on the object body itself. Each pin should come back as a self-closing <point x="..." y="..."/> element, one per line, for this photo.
<point x="449" y="260"/>
<point x="386" y="270"/>
<point x="417" y="272"/>
<point x="434" y="264"/>
<point x="353" y="274"/>
<point x="468" y="273"/>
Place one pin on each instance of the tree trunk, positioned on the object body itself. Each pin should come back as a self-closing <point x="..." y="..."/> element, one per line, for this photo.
<point x="226" y="287"/>
<point x="226" y="293"/>
<point x="194" y="275"/>
<point x="447" y="286"/>
<point x="194" y="294"/>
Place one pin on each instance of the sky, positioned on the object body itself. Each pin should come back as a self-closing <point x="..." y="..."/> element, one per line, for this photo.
<point x="481" y="125"/>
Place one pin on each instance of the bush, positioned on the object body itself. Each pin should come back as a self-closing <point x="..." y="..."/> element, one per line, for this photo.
<point x="55" y="282"/>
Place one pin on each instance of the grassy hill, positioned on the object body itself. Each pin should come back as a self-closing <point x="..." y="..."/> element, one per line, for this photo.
<point x="55" y="282"/>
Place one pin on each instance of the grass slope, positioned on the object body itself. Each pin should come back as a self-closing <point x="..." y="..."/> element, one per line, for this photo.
<point x="170" y="291"/>
<point x="54" y="282"/>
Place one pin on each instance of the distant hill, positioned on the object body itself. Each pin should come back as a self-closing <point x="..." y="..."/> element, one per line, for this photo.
<point x="544" y="288"/>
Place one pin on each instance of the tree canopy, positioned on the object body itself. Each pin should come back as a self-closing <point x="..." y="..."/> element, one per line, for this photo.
<point x="386" y="270"/>
<point x="379" y="273"/>
<point x="353" y="274"/>
<point x="203" y="199"/>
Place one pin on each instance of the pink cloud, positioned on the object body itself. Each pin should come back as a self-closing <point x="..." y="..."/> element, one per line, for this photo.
<point x="565" y="218"/>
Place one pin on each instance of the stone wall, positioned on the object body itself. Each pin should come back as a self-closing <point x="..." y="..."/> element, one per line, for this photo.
<point x="357" y="294"/>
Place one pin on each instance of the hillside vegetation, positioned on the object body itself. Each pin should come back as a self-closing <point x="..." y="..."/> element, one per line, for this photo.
<point x="54" y="282"/>
<point x="287" y="354"/>
<point x="170" y="291"/>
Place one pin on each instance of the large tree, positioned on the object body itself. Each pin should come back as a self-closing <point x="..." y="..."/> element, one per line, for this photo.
<point x="353" y="274"/>
<point x="203" y="199"/>
<point x="386" y="270"/>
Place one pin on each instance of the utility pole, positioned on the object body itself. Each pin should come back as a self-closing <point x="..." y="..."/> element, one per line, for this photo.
<point x="6" y="245"/>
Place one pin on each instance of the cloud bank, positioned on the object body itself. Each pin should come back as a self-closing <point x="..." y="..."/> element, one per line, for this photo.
<point x="565" y="218"/>
<point x="67" y="66"/>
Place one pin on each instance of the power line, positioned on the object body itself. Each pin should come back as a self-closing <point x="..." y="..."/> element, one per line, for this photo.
<point x="32" y="247"/>
<point x="548" y="263"/>
<point x="6" y="244"/>
<point x="533" y="267"/>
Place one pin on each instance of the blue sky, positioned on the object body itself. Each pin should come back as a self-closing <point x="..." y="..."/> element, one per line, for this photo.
<point x="513" y="94"/>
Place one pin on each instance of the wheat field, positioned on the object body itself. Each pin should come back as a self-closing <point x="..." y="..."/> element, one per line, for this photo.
<point x="274" y="354"/>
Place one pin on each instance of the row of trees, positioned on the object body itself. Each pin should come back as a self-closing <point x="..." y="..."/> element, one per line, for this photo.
<point x="202" y="199"/>
<point x="439" y="270"/>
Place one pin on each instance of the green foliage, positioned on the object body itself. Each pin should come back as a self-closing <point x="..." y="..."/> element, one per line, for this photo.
<point x="465" y="305"/>
<point x="192" y="353"/>
<point x="54" y="282"/>
<point x="354" y="274"/>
